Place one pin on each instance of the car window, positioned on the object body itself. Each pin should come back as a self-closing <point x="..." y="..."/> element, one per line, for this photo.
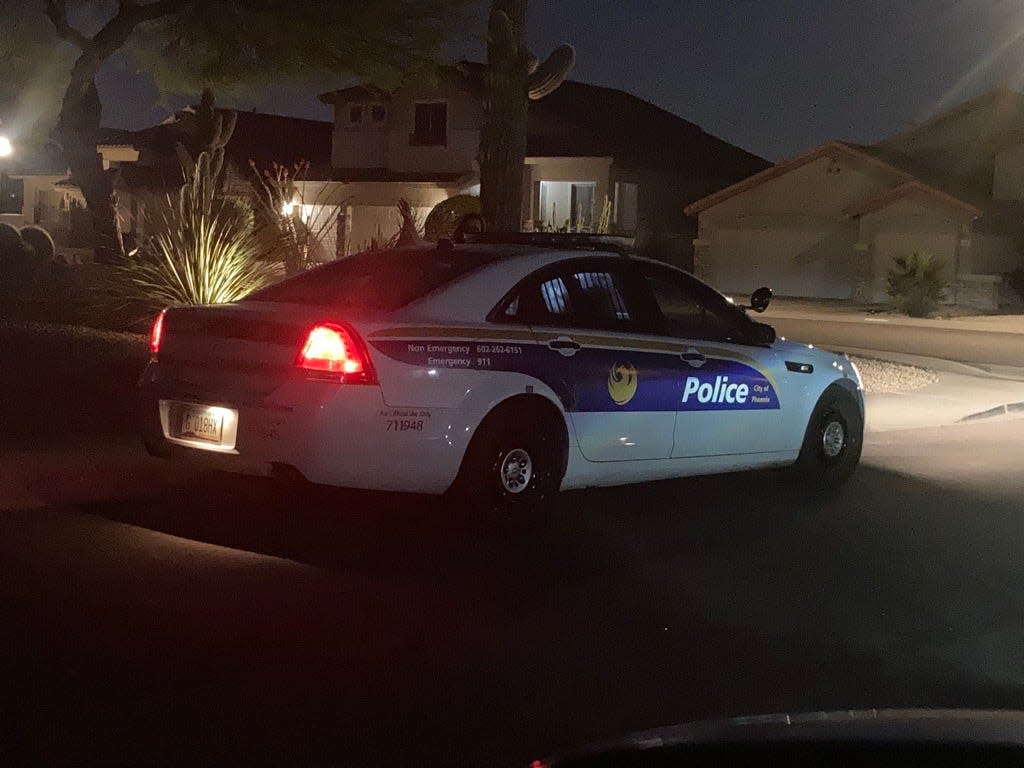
<point x="602" y="299"/>
<point x="576" y="296"/>
<point x="687" y="309"/>
<point x="555" y="296"/>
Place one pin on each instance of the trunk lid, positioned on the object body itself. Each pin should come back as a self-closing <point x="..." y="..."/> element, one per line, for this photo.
<point x="233" y="352"/>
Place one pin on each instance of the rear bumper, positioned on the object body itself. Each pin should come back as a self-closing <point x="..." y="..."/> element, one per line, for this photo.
<point x="342" y="435"/>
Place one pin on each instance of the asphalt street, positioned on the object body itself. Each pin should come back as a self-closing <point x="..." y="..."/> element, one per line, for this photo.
<point x="149" y="616"/>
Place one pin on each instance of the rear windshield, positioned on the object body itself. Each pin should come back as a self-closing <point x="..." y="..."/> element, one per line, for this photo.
<point x="377" y="280"/>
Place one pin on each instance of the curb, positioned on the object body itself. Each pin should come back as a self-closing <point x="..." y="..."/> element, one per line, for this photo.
<point x="999" y="410"/>
<point x="1000" y="372"/>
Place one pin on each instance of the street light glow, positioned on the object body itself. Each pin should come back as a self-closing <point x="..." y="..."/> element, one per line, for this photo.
<point x="5" y="147"/>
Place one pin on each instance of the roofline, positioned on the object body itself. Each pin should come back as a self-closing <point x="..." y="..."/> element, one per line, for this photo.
<point x="890" y="196"/>
<point x="548" y="158"/>
<point x="954" y="111"/>
<point x="785" y="167"/>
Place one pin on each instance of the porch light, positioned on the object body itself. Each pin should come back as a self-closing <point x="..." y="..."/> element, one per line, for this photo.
<point x="6" y="148"/>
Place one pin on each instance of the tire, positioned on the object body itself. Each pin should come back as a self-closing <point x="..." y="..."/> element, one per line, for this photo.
<point x="515" y="461"/>
<point x="832" y="443"/>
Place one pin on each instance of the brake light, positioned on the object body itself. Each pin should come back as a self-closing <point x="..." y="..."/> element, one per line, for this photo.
<point x="157" y="334"/>
<point x="332" y="349"/>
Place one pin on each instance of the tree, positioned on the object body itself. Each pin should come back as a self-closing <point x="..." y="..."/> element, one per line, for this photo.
<point x="187" y="44"/>
<point x="511" y="78"/>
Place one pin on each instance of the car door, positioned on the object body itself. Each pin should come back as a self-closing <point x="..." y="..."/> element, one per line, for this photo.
<point x="730" y="400"/>
<point x="619" y="388"/>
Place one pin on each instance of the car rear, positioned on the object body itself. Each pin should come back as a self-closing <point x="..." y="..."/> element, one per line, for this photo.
<point x="285" y="381"/>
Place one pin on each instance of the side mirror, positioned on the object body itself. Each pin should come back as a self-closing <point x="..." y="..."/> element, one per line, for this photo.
<point x="760" y="299"/>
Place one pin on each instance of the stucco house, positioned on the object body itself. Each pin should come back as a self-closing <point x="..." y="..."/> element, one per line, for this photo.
<point x="828" y="223"/>
<point x="585" y="145"/>
<point x="143" y="165"/>
<point x="588" y="147"/>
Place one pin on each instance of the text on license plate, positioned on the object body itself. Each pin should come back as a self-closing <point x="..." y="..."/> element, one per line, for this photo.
<point x="202" y="424"/>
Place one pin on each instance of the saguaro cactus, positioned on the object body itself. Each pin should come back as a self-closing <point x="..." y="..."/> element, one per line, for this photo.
<point x="511" y="78"/>
<point x="213" y="130"/>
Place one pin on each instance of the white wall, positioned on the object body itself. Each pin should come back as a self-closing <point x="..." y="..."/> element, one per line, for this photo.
<point x="34" y="185"/>
<point x="381" y="222"/>
<point x="362" y="145"/>
<point x="813" y="262"/>
<point x="914" y="225"/>
<point x="370" y="145"/>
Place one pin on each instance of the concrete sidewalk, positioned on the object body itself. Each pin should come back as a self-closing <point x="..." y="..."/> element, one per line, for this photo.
<point x="954" y="398"/>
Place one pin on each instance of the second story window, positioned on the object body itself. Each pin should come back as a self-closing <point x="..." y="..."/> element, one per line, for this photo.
<point x="378" y="112"/>
<point x="355" y="113"/>
<point x="430" y="127"/>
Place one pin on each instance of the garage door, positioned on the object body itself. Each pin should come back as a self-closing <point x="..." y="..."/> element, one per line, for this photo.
<point x="811" y="263"/>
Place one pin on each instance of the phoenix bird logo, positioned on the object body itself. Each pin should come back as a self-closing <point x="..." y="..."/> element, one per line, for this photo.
<point x="622" y="383"/>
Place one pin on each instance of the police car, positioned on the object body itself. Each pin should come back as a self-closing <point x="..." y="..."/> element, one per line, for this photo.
<point x="499" y="371"/>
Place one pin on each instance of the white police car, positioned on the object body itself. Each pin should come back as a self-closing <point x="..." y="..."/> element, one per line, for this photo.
<point x="499" y="371"/>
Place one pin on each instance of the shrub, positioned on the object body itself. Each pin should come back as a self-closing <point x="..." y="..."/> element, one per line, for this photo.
<point x="205" y="253"/>
<point x="444" y="216"/>
<point x="917" y="283"/>
<point x="10" y="240"/>
<point x="39" y="240"/>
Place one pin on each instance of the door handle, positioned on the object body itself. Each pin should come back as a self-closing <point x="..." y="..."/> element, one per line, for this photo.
<point x="692" y="357"/>
<point x="564" y="346"/>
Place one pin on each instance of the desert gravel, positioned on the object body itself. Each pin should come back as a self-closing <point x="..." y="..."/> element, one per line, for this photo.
<point x="881" y="376"/>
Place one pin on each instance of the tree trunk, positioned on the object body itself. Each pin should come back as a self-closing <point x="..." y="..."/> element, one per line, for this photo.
<point x="503" y="134"/>
<point x="79" y="127"/>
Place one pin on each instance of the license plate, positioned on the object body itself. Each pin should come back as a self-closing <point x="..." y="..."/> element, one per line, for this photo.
<point x="200" y="423"/>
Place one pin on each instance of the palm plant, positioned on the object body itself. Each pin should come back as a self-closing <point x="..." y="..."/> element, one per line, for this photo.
<point x="917" y="283"/>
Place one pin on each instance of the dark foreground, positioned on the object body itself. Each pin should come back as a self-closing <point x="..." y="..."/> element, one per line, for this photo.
<point x="152" y="617"/>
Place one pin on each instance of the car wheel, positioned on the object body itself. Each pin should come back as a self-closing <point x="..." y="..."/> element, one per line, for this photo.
<point x="833" y="441"/>
<point x="515" y="461"/>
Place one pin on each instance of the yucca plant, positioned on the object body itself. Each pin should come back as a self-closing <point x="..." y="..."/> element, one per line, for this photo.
<point x="917" y="283"/>
<point x="204" y="253"/>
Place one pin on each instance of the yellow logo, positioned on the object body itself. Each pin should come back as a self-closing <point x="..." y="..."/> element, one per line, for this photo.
<point x="622" y="383"/>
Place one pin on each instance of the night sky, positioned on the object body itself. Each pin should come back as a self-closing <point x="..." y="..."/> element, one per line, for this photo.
<point x="773" y="76"/>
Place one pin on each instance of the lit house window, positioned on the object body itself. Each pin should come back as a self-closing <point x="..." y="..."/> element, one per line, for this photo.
<point x="430" y="125"/>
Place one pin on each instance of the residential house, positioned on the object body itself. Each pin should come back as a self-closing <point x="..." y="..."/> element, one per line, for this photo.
<point x="144" y="167"/>
<point x="828" y="223"/>
<point x="587" y="147"/>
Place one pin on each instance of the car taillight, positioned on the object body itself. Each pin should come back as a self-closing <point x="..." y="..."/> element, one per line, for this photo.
<point x="156" y="334"/>
<point x="336" y="351"/>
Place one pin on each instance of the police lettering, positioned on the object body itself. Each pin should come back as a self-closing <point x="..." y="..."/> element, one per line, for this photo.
<point x="719" y="392"/>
